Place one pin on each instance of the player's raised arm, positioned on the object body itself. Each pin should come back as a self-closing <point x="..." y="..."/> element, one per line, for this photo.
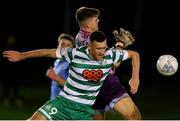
<point x="16" y="56"/>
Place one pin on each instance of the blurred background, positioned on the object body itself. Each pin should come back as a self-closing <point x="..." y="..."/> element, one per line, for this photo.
<point x="31" y="25"/>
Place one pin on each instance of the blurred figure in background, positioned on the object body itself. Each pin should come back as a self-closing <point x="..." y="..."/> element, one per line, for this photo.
<point x="10" y="79"/>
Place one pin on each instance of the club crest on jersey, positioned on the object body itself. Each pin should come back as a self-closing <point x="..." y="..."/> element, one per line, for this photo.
<point x="93" y="75"/>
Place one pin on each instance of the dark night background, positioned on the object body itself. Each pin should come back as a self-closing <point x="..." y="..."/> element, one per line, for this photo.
<point x="34" y="25"/>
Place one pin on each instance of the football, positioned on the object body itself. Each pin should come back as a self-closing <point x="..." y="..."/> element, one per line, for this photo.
<point x="167" y="65"/>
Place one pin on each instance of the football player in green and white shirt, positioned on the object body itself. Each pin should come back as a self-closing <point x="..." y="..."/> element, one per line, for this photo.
<point x="89" y="66"/>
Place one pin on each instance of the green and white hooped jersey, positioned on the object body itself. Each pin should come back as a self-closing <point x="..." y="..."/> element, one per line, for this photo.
<point x="85" y="74"/>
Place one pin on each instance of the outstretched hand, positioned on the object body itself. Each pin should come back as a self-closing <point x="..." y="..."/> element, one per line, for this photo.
<point x="12" y="55"/>
<point x="123" y="36"/>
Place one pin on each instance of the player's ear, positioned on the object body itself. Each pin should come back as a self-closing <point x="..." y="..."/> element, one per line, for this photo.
<point x="89" y="46"/>
<point x="88" y="23"/>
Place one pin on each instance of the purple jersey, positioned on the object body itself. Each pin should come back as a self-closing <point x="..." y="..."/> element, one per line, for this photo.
<point x="82" y="38"/>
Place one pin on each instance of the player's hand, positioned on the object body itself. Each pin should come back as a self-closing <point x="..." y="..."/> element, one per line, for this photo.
<point x="134" y="84"/>
<point x="51" y="74"/>
<point x="119" y="45"/>
<point x="123" y="36"/>
<point x="13" y="56"/>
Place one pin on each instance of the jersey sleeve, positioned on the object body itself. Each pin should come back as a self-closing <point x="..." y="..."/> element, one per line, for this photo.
<point x="66" y="53"/>
<point x="119" y="55"/>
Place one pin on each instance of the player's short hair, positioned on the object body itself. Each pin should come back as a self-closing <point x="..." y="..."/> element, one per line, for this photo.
<point x="98" y="36"/>
<point x="67" y="37"/>
<point x="84" y="13"/>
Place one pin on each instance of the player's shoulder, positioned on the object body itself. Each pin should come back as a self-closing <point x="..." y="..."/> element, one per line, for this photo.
<point x="113" y="50"/>
<point x="82" y="48"/>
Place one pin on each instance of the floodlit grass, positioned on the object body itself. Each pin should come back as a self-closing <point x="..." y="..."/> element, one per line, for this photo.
<point x="155" y="102"/>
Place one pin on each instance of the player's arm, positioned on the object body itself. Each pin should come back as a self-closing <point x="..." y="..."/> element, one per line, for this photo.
<point x="123" y="39"/>
<point x="53" y="76"/>
<point x="134" y="82"/>
<point x="16" y="56"/>
<point x="118" y="46"/>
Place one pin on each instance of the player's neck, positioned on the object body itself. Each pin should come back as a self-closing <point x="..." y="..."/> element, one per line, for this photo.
<point x="86" y="29"/>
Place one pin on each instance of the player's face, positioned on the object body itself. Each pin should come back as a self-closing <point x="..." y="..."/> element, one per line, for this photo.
<point x="93" y="23"/>
<point x="97" y="50"/>
<point x="65" y="43"/>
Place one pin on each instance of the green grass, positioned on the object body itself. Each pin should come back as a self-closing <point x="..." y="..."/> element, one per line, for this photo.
<point x="33" y="97"/>
<point x="155" y="102"/>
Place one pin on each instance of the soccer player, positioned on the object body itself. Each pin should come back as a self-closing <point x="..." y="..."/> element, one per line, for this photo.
<point x="60" y="66"/>
<point x="89" y="66"/>
<point x="87" y="19"/>
<point x="112" y="94"/>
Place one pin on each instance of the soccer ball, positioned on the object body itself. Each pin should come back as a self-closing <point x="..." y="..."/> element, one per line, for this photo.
<point x="167" y="65"/>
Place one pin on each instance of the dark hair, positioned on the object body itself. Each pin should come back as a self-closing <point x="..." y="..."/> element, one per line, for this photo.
<point x="97" y="36"/>
<point x="67" y="37"/>
<point x="83" y="13"/>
